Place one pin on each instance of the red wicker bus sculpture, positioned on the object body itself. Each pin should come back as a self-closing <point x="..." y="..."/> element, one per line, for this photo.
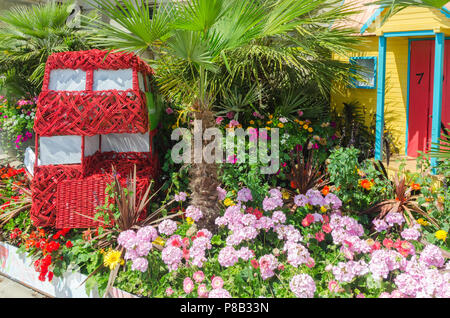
<point x="92" y="113"/>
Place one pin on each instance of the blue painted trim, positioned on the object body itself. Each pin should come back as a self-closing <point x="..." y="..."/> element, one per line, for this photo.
<point x="437" y="91"/>
<point x="446" y="12"/>
<point x="407" y="97"/>
<point x="408" y="33"/>
<point x="352" y="61"/>
<point x="381" y="83"/>
<point x="371" y="19"/>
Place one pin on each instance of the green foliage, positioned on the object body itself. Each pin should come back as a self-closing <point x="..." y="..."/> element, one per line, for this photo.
<point x="28" y="35"/>
<point x="201" y="49"/>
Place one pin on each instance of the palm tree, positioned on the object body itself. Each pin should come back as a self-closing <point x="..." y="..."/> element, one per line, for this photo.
<point x="28" y="35"/>
<point x="200" y="48"/>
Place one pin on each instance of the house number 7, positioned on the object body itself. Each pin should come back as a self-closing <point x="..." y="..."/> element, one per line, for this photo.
<point x="421" y="76"/>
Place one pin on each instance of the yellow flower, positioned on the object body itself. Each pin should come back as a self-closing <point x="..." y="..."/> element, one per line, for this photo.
<point x="268" y="128"/>
<point x="228" y="202"/>
<point x="270" y="116"/>
<point x="286" y="195"/>
<point x="422" y="222"/>
<point x="441" y="235"/>
<point x="281" y="125"/>
<point x="252" y="122"/>
<point x="310" y="129"/>
<point x="301" y="122"/>
<point x="269" y="122"/>
<point x="159" y="241"/>
<point x="174" y="126"/>
<point x="305" y="126"/>
<point x="112" y="258"/>
<point x="323" y="209"/>
<point x="189" y="221"/>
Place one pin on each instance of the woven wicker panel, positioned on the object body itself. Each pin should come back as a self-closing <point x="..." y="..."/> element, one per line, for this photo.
<point x="147" y="165"/>
<point x="77" y="201"/>
<point x="88" y="113"/>
<point x="95" y="59"/>
<point x="44" y="188"/>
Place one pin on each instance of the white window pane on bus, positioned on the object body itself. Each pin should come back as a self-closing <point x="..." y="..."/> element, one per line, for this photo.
<point x="125" y="143"/>
<point x="60" y="150"/>
<point x="67" y="80"/>
<point x="113" y="79"/>
<point x="91" y="145"/>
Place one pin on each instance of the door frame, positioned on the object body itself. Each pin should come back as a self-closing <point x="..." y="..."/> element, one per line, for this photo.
<point x="408" y="88"/>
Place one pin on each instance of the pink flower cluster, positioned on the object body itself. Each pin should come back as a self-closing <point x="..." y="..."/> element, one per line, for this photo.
<point x="273" y="201"/>
<point x="167" y="227"/>
<point x="194" y="213"/>
<point x="303" y="286"/>
<point x="315" y="198"/>
<point x="191" y="250"/>
<point x="244" y="195"/>
<point x="217" y="290"/>
<point x="137" y="246"/>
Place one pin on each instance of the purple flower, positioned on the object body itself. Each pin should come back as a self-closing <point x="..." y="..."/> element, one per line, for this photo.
<point x="244" y="195"/>
<point x="169" y="110"/>
<point x="180" y="197"/>
<point x="300" y="200"/>
<point x="380" y="225"/>
<point x="222" y="194"/>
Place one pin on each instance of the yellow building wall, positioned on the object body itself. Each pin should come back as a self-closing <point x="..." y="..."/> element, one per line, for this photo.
<point x="396" y="88"/>
<point x="413" y="19"/>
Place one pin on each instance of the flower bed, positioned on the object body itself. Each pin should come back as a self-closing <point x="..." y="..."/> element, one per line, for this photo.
<point x="298" y="233"/>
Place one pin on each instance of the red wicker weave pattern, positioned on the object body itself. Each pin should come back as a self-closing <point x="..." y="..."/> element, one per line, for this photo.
<point x="77" y="201"/>
<point x="44" y="187"/>
<point x="101" y="163"/>
<point x="94" y="59"/>
<point x="91" y="113"/>
<point x="60" y="191"/>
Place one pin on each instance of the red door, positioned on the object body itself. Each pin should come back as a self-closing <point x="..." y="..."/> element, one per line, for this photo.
<point x="445" y="115"/>
<point x="420" y="96"/>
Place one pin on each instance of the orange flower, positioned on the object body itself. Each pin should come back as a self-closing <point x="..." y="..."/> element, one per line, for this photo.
<point x="415" y="186"/>
<point x="325" y="190"/>
<point x="366" y="184"/>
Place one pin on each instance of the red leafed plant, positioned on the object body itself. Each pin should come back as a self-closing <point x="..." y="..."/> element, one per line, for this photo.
<point x="403" y="201"/>
<point x="307" y="172"/>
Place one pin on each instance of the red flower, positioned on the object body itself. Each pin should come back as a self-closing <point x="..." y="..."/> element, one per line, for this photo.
<point x="69" y="244"/>
<point x="50" y="276"/>
<point x="376" y="246"/>
<point x="254" y="263"/>
<point x="326" y="228"/>
<point x="320" y="236"/>
<point x="42" y="277"/>
<point x="388" y="243"/>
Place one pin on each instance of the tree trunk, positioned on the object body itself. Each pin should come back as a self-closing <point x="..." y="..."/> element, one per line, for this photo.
<point x="204" y="181"/>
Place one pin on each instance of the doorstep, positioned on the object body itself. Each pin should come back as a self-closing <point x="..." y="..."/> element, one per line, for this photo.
<point x="19" y="268"/>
